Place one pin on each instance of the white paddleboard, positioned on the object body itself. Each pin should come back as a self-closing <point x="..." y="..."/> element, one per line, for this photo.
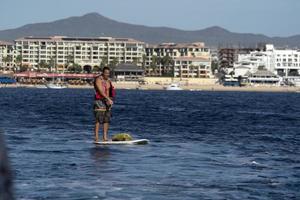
<point x="141" y="141"/>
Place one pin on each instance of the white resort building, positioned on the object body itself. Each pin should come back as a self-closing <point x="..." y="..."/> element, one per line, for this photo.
<point x="185" y="60"/>
<point x="85" y="52"/>
<point x="188" y="59"/>
<point x="7" y="55"/>
<point x="269" y="65"/>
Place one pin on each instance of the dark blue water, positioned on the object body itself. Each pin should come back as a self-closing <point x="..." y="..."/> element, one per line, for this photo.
<point x="204" y="145"/>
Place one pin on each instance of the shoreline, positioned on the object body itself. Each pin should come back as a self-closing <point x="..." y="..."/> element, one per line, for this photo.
<point x="216" y="88"/>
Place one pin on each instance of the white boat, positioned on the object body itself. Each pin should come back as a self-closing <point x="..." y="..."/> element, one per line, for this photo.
<point x="297" y="82"/>
<point x="173" y="86"/>
<point x="55" y="86"/>
<point x="41" y="86"/>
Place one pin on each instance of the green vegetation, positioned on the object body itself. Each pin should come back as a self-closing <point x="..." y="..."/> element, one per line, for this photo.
<point x="122" y="137"/>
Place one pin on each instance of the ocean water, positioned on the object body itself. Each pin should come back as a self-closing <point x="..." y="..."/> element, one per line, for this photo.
<point x="204" y="145"/>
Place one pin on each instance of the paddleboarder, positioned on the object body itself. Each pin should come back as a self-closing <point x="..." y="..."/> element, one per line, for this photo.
<point x="104" y="94"/>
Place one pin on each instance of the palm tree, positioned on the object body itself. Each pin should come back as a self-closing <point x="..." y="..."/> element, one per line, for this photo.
<point x="113" y="65"/>
<point x="167" y="62"/>
<point x="191" y="69"/>
<point x="52" y="63"/>
<point x="70" y="60"/>
<point x="7" y="59"/>
<point x="42" y="65"/>
<point x="23" y="68"/>
<point x="136" y="61"/>
<point x="19" y="60"/>
<point x="144" y="59"/>
<point x="104" y="62"/>
<point x="214" y="66"/>
<point x="96" y="69"/>
<point x="154" y="63"/>
<point x="77" y="68"/>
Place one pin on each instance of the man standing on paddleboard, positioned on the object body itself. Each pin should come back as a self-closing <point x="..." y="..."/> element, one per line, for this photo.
<point x="104" y="94"/>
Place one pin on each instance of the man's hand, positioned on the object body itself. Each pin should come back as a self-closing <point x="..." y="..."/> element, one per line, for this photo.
<point x="109" y="102"/>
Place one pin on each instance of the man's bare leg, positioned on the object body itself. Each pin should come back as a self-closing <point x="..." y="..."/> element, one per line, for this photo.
<point x="96" y="131"/>
<point x="105" y="131"/>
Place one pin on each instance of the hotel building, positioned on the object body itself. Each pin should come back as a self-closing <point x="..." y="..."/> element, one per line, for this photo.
<point x="167" y="59"/>
<point x="85" y="52"/>
<point x="7" y="55"/>
<point x="283" y="62"/>
<point x="185" y="60"/>
<point x="228" y="56"/>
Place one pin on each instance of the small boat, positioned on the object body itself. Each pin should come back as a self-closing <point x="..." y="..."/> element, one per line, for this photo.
<point x="56" y="86"/>
<point x="173" y="86"/>
<point x="41" y="86"/>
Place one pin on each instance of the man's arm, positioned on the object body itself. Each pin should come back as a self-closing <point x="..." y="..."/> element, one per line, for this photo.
<point x="99" y="88"/>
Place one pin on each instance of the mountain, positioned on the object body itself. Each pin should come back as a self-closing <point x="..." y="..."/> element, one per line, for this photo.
<point x="95" y="25"/>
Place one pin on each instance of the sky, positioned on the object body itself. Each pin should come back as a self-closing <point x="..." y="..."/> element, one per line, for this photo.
<point x="269" y="17"/>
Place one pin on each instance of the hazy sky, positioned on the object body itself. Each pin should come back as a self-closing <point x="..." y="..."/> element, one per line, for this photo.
<point x="270" y="17"/>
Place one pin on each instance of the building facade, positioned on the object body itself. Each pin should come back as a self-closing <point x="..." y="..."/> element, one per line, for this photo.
<point x="85" y="52"/>
<point x="287" y="62"/>
<point x="7" y="55"/>
<point x="254" y="61"/>
<point x="228" y="56"/>
<point x="282" y="62"/>
<point x="60" y="53"/>
<point x="128" y="72"/>
<point x="186" y="67"/>
<point x="178" y="60"/>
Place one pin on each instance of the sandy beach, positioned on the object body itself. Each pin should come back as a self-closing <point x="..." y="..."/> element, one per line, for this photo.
<point x="214" y="87"/>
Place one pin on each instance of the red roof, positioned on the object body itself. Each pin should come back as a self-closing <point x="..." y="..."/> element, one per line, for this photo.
<point x="53" y="75"/>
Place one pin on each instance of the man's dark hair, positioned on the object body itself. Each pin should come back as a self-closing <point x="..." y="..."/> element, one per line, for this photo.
<point x="105" y="68"/>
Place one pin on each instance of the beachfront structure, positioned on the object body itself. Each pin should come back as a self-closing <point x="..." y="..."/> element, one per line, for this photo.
<point x="128" y="72"/>
<point x="287" y="62"/>
<point x="269" y="66"/>
<point x="228" y="56"/>
<point x="74" y="54"/>
<point x="187" y="67"/>
<point x="85" y="52"/>
<point x="282" y="62"/>
<point x="263" y="77"/>
<point x="178" y="60"/>
<point x="255" y="60"/>
<point x="7" y="56"/>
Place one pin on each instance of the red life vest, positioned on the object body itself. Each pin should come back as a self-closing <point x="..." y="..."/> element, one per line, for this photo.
<point x="112" y="91"/>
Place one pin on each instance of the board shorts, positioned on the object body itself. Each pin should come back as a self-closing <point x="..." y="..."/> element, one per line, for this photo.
<point x="102" y="112"/>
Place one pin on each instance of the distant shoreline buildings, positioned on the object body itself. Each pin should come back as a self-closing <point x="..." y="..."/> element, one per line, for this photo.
<point x="90" y="54"/>
<point x="265" y="64"/>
